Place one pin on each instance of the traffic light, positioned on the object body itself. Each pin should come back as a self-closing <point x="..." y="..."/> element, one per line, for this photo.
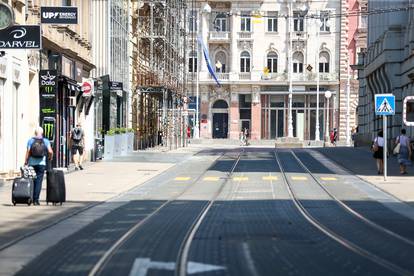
<point x="408" y="111"/>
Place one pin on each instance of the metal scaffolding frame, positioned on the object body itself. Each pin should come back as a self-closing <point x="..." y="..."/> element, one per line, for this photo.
<point x="158" y="37"/>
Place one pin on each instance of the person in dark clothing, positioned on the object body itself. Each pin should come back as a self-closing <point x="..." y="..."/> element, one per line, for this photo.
<point x="78" y="143"/>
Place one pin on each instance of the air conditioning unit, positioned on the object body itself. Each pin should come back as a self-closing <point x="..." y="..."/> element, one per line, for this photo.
<point x="72" y="101"/>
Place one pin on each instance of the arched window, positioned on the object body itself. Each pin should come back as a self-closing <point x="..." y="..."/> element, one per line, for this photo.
<point x="297" y="62"/>
<point x="220" y="104"/>
<point x="324" y="62"/>
<point x="221" y="60"/>
<point x="192" y="62"/>
<point x="245" y="62"/>
<point x="272" y="62"/>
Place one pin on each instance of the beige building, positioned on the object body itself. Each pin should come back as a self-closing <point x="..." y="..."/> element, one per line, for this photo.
<point x="262" y="52"/>
<point x="66" y="48"/>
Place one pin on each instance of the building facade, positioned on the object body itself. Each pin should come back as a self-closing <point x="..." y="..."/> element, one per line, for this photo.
<point x="111" y="51"/>
<point x="353" y="41"/>
<point x="387" y="65"/>
<point x="262" y="52"/>
<point x="19" y="109"/>
<point x="158" y="74"/>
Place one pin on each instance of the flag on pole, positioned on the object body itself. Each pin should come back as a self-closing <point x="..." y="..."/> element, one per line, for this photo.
<point x="208" y="61"/>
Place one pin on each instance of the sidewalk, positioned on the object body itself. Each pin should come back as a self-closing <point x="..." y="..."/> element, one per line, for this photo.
<point x="361" y="163"/>
<point x="84" y="189"/>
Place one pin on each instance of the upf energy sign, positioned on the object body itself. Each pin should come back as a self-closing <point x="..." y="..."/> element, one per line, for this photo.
<point x="384" y="104"/>
<point x="59" y="15"/>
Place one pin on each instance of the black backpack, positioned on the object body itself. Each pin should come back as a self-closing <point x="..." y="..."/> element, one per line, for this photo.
<point x="38" y="148"/>
<point x="77" y="135"/>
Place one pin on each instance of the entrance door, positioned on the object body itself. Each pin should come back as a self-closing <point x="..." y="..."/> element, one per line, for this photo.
<point x="300" y="124"/>
<point x="220" y="125"/>
<point x="276" y="122"/>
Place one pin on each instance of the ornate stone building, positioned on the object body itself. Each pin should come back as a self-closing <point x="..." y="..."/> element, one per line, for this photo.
<point x="387" y="65"/>
<point x="262" y="52"/>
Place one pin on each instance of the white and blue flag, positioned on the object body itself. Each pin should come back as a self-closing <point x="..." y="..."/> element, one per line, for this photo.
<point x="208" y="61"/>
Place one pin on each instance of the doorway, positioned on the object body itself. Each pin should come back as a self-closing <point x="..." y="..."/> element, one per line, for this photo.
<point x="220" y="125"/>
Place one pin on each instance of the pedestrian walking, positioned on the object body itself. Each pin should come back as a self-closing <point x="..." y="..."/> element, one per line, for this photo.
<point x="404" y="152"/>
<point x="77" y="137"/>
<point x="353" y="135"/>
<point x="335" y="136"/>
<point x="246" y="136"/>
<point x="378" y="149"/>
<point x="38" y="148"/>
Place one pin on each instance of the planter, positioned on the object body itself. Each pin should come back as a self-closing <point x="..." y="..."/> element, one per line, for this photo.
<point x="124" y="144"/>
<point x="118" y="141"/>
<point x="109" y="147"/>
<point x="130" y="145"/>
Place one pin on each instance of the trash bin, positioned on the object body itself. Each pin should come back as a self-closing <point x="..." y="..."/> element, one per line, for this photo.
<point x="99" y="149"/>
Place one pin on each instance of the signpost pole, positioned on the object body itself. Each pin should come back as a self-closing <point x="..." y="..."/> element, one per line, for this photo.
<point x="384" y="120"/>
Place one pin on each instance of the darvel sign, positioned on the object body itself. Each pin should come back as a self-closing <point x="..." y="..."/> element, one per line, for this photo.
<point x="21" y="37"/>
<point x="59" y="15"/>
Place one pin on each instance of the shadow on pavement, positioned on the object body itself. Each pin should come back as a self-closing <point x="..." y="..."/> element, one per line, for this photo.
<point x="269" y="231"/>
<point x="360" y="161"/>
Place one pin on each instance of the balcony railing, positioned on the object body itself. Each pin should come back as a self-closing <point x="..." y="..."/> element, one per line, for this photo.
<point x="245" y="35"/>
<point x="220" y="76"/>
<point x="245" y="76"/>
<point x="219" y="36"/>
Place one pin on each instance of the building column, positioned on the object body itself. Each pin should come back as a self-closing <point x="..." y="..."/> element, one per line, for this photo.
<point x="256" y="114"/>
<point x="234" y="113"/>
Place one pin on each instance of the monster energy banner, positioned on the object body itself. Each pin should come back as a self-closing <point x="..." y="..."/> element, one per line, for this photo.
<point x="48" y="102"/>
<point x="49" y="127"/>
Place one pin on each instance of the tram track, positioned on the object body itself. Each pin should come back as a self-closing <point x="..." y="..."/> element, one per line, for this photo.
<point x="182" y="261"/>
<point x="100" y="266"/>
<point x="349" y="209"/>
<point x="339" y="238"/>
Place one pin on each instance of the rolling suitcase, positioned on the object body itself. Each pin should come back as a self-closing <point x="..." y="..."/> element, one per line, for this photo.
<point x="55" y="190"/>
<point x="22" y="191"/>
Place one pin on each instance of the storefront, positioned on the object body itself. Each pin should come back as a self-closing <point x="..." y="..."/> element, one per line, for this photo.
<point x="264" y="112"/>
<point x="61" y="102"/>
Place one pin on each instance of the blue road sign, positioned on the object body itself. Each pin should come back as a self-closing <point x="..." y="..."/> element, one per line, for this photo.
<point x="384" y="104"/>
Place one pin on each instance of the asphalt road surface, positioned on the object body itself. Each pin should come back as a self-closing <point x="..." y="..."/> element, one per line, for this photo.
<point x="245" y="211"/>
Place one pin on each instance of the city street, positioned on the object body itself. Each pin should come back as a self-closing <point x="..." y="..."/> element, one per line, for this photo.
<point x="227" y="211"/>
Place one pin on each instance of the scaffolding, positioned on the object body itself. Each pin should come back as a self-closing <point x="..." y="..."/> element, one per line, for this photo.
<point x="158" y="36"/>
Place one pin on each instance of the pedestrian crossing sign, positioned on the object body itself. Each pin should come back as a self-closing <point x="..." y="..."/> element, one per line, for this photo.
<point x="384" y="104"/>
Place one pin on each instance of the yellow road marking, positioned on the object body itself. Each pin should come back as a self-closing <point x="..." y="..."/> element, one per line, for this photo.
<point x="182" y="178"/>
<point x="299" y="178"/>
<point x="240" y="178"/>
<point x="211" y="178"/>
<point x="269" y="177"/>
<point x="329" y="178"/>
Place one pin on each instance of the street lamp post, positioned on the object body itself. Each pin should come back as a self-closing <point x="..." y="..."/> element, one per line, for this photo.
<point x="303" y="11"/>
<point x="348" y="95"/>
<point x="328" y="95"/>
<point x="206" y="9"/>
<point x="290" y="120"/>
<point x="317" y="130"/>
